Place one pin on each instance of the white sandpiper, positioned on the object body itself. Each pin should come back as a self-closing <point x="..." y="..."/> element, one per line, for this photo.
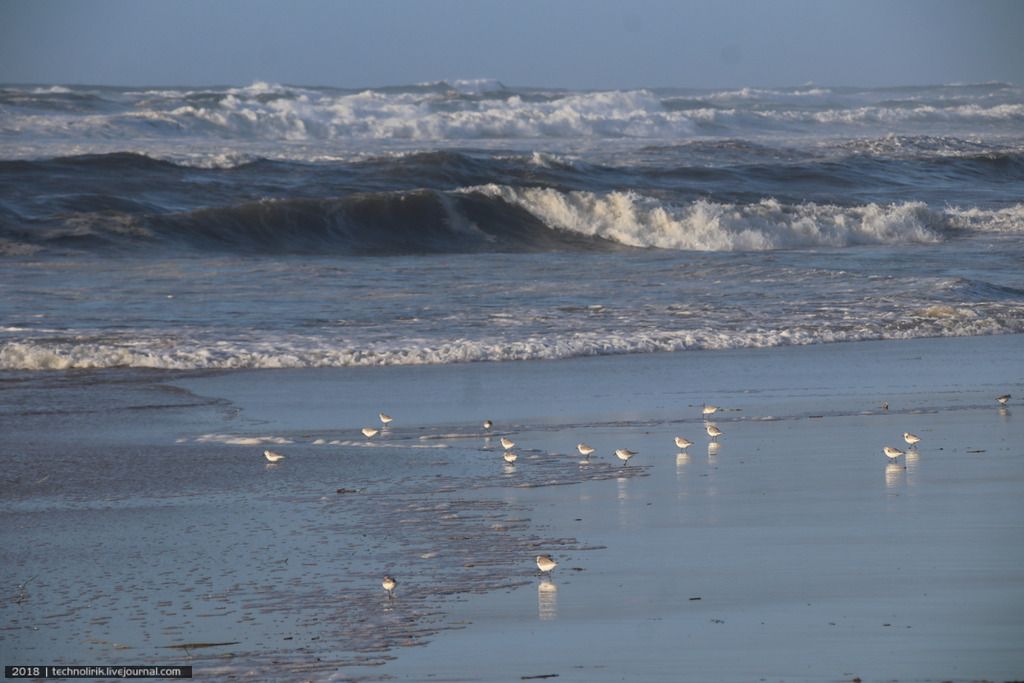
<point x="709" y="410"/>
<point x="510" y="457"/>
<point x="713" y="431"/>
<point x="370" y="432"/>
<point x="584" y="449"/>
<point x="911" y="439"/>
<point x="1004" y="399"/>
<point x="389" y="585"/>
<point x="546" y="563"/>
<point x="892" y="453"/>
<point x="682" y="443"/>
<point x="272" y="456"/>
<point x="624" y="454"/>
<point x="507" y="443"/>
<point x="385" y="419"/>
<point x="488" y="424"/>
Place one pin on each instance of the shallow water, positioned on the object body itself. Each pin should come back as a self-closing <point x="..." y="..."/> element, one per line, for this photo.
<point x="161" y="534"/>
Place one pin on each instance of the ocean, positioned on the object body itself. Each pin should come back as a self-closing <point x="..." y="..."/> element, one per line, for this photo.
<point x="283" y="226"/>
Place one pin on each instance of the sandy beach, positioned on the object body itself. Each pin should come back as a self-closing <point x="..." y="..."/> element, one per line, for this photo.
<point x="142" y="525"/>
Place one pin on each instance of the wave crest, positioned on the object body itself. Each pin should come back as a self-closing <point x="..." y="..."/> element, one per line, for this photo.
<point x="636" y="220"/>
<point x="290" y="352"/>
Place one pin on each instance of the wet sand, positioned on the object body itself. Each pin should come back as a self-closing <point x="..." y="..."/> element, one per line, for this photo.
<point x="792" y="552"/>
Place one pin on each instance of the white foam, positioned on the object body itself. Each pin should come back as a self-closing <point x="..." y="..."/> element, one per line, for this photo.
<point x="1009" y="219"/>
<point x="51" y="90"/>
<point x="236" y="440"/>
<point x="860" y="116"/>
<point x="762" y="93"/>
<point x="287" y="122"/>
<point x="702" y="332"/>
<point x="636" y="220"/>
<point x="296" y="115"/>
<point x="476" y="86"/>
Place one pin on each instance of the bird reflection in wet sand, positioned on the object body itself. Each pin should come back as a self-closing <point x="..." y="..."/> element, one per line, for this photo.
<point x="894" y="474"/>
<point x="682" y="460"/>
<point x="713" y="448"/>
<point x="547" y="600"/>
<point x="910" y="460"/>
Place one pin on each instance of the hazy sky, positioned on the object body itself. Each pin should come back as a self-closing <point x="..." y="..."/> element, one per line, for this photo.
<point x="572" y="43"/>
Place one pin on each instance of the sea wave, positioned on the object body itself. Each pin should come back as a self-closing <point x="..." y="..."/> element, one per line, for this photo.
<point x="289" y="352"/>
<point x="632" y="219"/>
<point x="476" y="110"/>
<point x="275" y="113"/>
<point x="498" y="218"/>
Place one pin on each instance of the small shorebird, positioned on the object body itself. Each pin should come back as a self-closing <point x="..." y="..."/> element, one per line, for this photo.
<point x="488" y="424"/>
<point x="709" y="410"/>
<point x="510" y="457"/>
<point x="624" y="454"/>
<point x="1004" y="399"/>
<point x="389" y="585"/>
<point x="385" y="419"/>
<point x="892" y="453"/>
<point x="911" y="439"/>
<point x="272" y="456"/>
<point x="713" y="431"/>
<point x="682" y="443"/>
<point x="370" y="432"/>
<point x="546" y="563"/>
<point x="585" y="450"/>
<point x="507" y="443"/>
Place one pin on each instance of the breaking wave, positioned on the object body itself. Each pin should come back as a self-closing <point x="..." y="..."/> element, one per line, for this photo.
<point x="632" y="219"/>
<point x="481" y="109"/>
<point x="182" y="354"/>
<point x="497" y="218"/>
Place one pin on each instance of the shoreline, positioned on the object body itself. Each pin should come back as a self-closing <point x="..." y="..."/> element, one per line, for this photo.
<point x="762" y="528"/>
